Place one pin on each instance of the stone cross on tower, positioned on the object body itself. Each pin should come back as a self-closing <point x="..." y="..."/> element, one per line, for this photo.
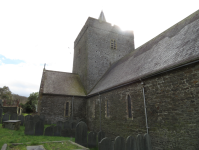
<point x="102" y="17"/>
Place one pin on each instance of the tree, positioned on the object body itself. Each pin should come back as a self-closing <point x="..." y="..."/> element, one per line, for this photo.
<point x="5" y="93"/>
<point x="32" y="101"/>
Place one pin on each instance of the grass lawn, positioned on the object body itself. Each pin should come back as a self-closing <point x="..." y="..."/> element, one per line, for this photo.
<point x="11" y="136"/>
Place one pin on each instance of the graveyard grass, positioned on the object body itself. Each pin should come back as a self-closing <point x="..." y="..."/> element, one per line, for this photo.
<point x="11" y="136"/>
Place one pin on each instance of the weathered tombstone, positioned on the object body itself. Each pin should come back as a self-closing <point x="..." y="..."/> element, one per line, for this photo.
<point x="49" y="131"/>
<point x="73" y="124"/>
<point x="42" y="117"/>
<point x="60" y="124"/>
<point x="66" y="125"/>
<point x="5" y="117"/>
<point x="1" y="112"/>
<point x="28" y="118"/>
<point x="81" y="134"/>
<point x="105" y="144"/>
<point x="140" y="142"/>
<point x="119" y="143"/>
<point x="39" y="128"/>
<point x="57" y="131"/>
<point x="36" y="118"/>
<point x="29" y="128"/>
<point x="112" y="145"/>
<point x="100" y="136"/>
<point x="147" y="142"/>
<point x="13" y="117"/>
<point x="21" y="117"/>
<point x="131" y="143"/>
<point x="92" y="140"/>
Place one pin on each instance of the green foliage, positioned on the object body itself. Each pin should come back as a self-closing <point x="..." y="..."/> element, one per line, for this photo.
<point x="5" y="93"/>
<point x="32" y="101"/>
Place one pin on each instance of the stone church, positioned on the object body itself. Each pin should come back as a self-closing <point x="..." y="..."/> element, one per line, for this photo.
<point x="126" y="91"/>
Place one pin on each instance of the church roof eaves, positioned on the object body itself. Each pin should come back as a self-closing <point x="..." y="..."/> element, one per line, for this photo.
<point x="173" y="47"/>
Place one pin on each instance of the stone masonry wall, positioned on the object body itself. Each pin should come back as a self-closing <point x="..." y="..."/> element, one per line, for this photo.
<point x="172" y="108"/>
<point x="52" y="107"/>
<point x="10" y="109"/>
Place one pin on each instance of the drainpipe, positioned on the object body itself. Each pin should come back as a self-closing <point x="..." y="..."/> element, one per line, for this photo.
<point x="145" y="107"/>
<point x="100" y="111"/>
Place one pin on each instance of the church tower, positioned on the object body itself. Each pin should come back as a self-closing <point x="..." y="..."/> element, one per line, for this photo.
<point x="97" y="47"/>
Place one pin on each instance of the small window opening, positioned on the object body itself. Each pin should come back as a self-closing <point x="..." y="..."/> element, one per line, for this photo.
<point x="113" y="44"/>
<point x="129" y="107"/>
<point x="67" y="108"/>
<point x="107" y="114"/>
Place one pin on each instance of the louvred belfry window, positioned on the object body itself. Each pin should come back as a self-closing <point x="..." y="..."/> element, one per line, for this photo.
<point x="113" y="44"/>
<point x="129" y="107"/>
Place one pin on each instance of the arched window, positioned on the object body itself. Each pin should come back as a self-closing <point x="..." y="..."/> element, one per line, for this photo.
<point x="129" y="107"/>
<point x="107" y="112"/>
<point x="67" y="109"/>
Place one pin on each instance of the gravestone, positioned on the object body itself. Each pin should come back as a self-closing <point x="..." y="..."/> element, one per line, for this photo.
<point x="119" y="143"/>
<point x="81" y="134"/>
<point x="21" y="117"/>
<point x="100" y="136"/>
<point x="66" y="125"/>
<point x="57" y="131"/>
<point x="147" y="142"/>
<point x="29" y="128"/>
<point x="28" y="118"/>
<point x="105" y="144"/>
<point x="36" y="118"/>
<point x="112" y="145"/>
<point x="5" y="117"/>
<point x="13" y="117"/>
<point x="140" y="142"/>
<point x="131" y="143"/>
<point x="39" y="128"/>
<point x="60" y="124"/>
<point x="49" y="131"/>
<point x="92" y="140"/>
<point x="1" y="112"/>
<point x="73" y="124"/>
<point x="42" y="118"/>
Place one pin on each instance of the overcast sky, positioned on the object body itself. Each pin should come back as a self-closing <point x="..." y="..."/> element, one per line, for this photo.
<point x="43" y="31"/>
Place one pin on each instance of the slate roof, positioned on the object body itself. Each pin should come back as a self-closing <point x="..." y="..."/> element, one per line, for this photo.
<point x="177" y="45"/>
<point x="62" y="83"/>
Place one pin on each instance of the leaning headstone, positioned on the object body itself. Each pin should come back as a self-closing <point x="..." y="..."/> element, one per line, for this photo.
<point x="140" y="142"/>
<point x="21" y="117"/>
<point x="13" y="117"/>
<point x="49" y="131"/>
<point x="81" y="134"/>
<point x="39" y="128"/>
<point x="5" y="117"/>
<point x="100" y="136"/>
<point x="119" y="143"/>
<point x="60" y="124"/>
<point x="92" y="140"/>
<point x="147" y="142"/>
<point x="57" y="131"/>
<point x="105" y="144"/>
<point x="131" y="143"/>
<point x="66" y="125"/>
<point x="29" y="128"/>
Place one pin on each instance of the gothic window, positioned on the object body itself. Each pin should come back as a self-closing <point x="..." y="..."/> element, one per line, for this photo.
<point x="67" y="109"/>
<point x="113" y="44"/>
<point x="129" y="107"/>
<point x="93" y="109"/>
<point x="107" y="111"/>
